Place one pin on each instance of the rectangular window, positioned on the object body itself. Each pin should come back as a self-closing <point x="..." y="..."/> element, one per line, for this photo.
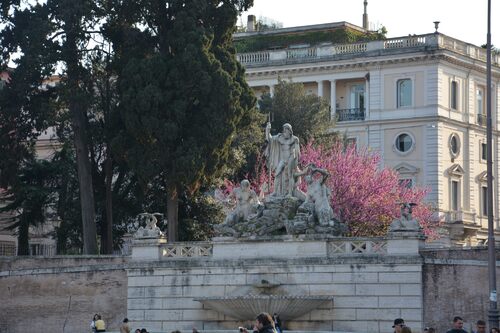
<point x="484" y="198"/>
<point x="407" y="182"/>
<point x="454" y="95"/>
<point x="357" y="97"/>
<point x="351" y="142"/>
<point x="404" y="91"/>
<point x="480" y="101"/>
<point x="454" y="195"/>
<point x="484" y="151"/>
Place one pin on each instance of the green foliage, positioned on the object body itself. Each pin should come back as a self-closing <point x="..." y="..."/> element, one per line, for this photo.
<point x="199" y="213"/>
<point x="308" y="114"/>
<point x="170" y="96"/>
<point x="29" y="198"/>
<point x="265" y="42"/>
<point x="183" y="103"/>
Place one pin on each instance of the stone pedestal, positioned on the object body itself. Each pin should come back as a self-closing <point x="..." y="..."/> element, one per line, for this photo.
<point x="405" y="242"/>
<point x="147" y="249"/>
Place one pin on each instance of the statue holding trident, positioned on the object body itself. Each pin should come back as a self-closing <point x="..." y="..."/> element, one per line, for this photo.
<point x="282" y="154"/>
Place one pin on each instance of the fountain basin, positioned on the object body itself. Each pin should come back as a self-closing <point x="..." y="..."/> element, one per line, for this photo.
<point x="249" y="306"/>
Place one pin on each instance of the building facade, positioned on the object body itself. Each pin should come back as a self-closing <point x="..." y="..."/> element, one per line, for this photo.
<point x="420" y="101"/>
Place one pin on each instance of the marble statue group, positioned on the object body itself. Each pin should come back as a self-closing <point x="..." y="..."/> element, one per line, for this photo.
<point x="286" y="210"/>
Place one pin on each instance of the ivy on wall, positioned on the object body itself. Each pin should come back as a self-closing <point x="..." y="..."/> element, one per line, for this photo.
<point x="278" y="41"/>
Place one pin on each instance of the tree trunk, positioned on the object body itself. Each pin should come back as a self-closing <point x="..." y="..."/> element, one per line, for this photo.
<point x="78" y="109"/>
<point x="173" y="214"/>
<point x="108" y="230"/>
<point x="23" y="246"/>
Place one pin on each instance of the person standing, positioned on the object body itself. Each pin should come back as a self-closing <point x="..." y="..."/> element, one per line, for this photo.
<point x="277" y="322"/>
<point x="458" y="326"/>
<point x="125" y="328"/>
<point x="399" y="323"/>
<point x="263" y="324"/>
<point x="92" y="323"/>
<point x="100" y="326"/>
<point x="480" y="327"/>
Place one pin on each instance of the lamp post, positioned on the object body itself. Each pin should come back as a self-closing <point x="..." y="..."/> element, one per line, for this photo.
<point x="493" y="311"/>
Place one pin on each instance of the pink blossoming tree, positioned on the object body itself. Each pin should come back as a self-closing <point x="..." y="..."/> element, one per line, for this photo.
<point x="364" y="196"/>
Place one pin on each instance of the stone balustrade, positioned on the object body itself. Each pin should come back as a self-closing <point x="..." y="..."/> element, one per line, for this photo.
<point x="268" y="57"/>
<point x="357" y="247"/>
<point x="460" y="216"/>
<point x="309" y="246"/>
<point x="186" y="250"/>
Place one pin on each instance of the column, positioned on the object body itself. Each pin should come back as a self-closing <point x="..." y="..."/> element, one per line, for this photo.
<point x="271" y="90"/>
<point x="320" y="88"/>
<point x="333" y="99"/>
<point x="367" y="98"/>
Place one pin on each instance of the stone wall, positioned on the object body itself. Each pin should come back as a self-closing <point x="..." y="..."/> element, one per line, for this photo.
<point x="367" y="294"/>
<point x="61" y="294"/>
<point x="455" y="283"/>
<point x="371" y="283"/>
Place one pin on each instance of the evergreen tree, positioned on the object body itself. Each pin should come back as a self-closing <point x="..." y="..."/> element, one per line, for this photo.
<point x="25" y="113"/>
<point x="308" y="114"/>
<point x="183" y="96"/>
<point x="29" y="198"/>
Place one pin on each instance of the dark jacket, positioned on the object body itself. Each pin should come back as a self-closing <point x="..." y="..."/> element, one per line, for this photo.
<point x="266" y="329"/>
<point x="456" y="330"/>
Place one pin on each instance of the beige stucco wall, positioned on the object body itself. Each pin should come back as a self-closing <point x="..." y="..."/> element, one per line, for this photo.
<point x="414" y="157"/>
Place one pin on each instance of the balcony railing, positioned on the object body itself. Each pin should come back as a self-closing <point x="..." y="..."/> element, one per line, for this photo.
<point x="322" y="52"/>
<point x="350" y="114"/>
<point x="481" y="119"/>
<point x="460" y="216"/>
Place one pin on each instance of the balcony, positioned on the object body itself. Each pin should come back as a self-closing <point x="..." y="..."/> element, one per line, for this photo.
<point x="350" y="114"/>
<point x="481" y="119"/>
<point x="460" y="216"/>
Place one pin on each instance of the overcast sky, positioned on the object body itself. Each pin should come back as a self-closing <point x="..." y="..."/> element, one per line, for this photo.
<point x="461" y="19"/>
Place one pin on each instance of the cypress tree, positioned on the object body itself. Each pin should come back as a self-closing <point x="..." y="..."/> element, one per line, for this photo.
<point x="183" y="95"/>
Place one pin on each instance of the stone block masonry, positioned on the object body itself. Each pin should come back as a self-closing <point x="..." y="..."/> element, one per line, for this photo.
<point x="369" y="288"/>
<point x="62" y="293"/>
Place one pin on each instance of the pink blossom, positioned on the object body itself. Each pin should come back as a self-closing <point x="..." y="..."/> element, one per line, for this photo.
<point x="364" y="196"/>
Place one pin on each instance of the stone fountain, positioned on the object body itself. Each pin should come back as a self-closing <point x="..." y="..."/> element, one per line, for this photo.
<point x="262" y="299"/>
<point x="285" y="253"/>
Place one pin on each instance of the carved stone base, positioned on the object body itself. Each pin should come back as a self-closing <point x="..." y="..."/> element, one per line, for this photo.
<point x="280" y="216"/>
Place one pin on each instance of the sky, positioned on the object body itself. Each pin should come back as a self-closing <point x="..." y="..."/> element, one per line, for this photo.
<point x="462" y="19"/>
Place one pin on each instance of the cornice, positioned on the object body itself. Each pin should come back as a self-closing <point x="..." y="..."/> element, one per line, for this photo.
<point x="355" y="64"/>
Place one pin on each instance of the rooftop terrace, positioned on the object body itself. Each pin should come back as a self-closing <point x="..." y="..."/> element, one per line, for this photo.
<point x="331" y="51"/>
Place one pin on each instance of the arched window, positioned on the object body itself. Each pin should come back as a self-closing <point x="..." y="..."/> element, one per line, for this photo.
<point x="404" y="88"/>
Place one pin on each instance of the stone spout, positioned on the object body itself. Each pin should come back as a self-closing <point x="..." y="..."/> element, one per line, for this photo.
<point x="249" y="306"/>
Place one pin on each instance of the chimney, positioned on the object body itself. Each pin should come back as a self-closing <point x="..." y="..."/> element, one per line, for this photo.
<point x="251" y="23"/>
<point x="365" y="16"/>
